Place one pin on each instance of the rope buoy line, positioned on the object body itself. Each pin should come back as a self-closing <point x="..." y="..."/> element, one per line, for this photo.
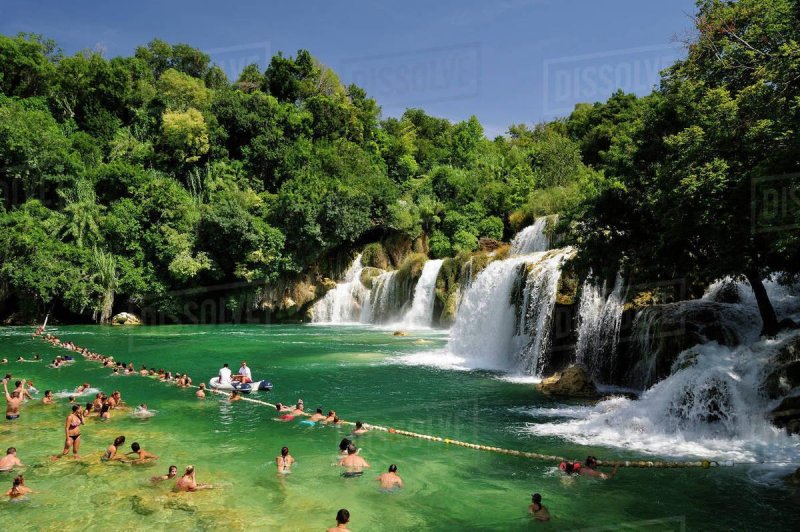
<point x="659" y="464"/>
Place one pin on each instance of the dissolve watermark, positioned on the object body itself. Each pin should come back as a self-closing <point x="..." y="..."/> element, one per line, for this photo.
<point x="233" y="59"/>
<point x="775" y="203"/>
<point x="594" y="77"/>
<point x="418" y="76"/>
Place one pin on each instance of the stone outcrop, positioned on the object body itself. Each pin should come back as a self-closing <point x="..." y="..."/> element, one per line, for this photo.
<point x="787" y="415"/>
<point x="126" y="318"/>
<point x="574" y="381"/>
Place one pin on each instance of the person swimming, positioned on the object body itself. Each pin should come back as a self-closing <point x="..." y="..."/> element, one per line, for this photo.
<point x="329" y="418"/>
<point x="537" y="510"/>
<point x="234" y="396"/>
<point x="10" y="460"/>
<point x="201" y="392"/>
<point x="298" y="409"/>
<point x="141" y="454"/>
<point x="360" y="429"/>
<point x="342" y="518"/>
<point x="354" y="465"/>
<point x="390" y="480"/>
<point x="188" y="481"/>
<point x="105" y="411"/>
<point x="317" y="416"/>
<point x="172" y="472"/>
<point x="13" y="402"/>
<point x="48" y="397"/>
<point x="18" y="488"/>
<point x="111" y="451"/>
<point x="284" y="461"/>
<point x="588" y="468"/>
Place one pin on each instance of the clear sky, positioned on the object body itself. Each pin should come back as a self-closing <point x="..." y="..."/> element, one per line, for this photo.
<point x="505" y="61"/>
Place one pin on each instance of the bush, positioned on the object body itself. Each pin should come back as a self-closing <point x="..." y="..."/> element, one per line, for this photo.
<point x="491" y="227"/>
<point x="464" y="241"/>
<point x="439" y="245"/>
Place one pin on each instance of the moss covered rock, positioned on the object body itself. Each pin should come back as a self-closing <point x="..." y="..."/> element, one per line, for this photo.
<point x="375" y="256"/>
<point x="368" y="274"/>
<point x="574" y="381"/>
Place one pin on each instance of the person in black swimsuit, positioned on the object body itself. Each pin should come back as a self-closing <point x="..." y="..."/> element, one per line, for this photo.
<point x="73" y="430"/>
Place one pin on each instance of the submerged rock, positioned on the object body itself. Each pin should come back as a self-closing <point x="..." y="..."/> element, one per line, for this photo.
<point x="574" y="381"/>
<point x="785" y="370"/>
<point x="126" y="318"/>
<point x="400" y="333"/>
<point x="787" y="415"/>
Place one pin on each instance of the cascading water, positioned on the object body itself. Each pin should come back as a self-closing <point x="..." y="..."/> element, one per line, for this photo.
<point x="383" y="299"/>
<point x="343" y="303"/>
<point x="599" y="320"/>
<point x="710" y="407"/>
<point x="421" y="312"/>
<point x="504" y="317"/>
<point x="533" y="238"/>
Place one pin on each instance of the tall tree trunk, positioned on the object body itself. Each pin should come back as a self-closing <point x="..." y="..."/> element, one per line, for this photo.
<point x="765" y="308"/>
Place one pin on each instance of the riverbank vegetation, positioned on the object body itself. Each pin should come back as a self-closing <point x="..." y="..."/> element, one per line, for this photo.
<point x="135" y="181"/>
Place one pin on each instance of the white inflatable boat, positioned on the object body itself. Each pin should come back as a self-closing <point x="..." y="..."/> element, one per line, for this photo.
<point x="264" y="386"/>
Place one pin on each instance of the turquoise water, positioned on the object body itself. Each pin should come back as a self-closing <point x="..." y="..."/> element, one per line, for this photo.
<point x="362" y="374"/>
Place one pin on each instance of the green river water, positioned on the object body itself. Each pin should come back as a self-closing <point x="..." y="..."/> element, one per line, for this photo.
<point x="360" y="372"/>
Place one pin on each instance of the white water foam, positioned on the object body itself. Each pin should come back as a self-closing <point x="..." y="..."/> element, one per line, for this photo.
<point x="710" y="409"/>
<point x="343" y="303"/>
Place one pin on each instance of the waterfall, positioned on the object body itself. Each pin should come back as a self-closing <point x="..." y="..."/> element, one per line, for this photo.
<point x="711" y="407"/>
<point x="504" y="319"/>
<point x="421" y="313"/>
<point x="533" y="238"/>
<point x="343" y="303"/>
<point x="383" y="299"/>
<point x="599" y="320"/>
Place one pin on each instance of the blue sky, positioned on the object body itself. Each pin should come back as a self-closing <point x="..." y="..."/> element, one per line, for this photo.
<point x="507" y="61"/>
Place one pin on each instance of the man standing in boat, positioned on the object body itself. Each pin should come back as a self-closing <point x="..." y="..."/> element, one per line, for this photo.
<point x="244" y="375"/>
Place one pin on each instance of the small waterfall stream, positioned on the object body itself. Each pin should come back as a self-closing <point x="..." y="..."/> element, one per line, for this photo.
<point x="599" y="320"/>
<point x="421" y="313"/>
<point x="343" y="303"/>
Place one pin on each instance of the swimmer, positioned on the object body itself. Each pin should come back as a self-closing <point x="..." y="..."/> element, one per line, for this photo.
<point x="97" y="404"/>
<point x="105" y="412"/>
<point x="342" y="518"/>
<point x="282" y="409"/>
<point x="590" y="469"/>
<point x="284" y="461"/>
<point x="360" y="429"/>
<point x="71" y="399"/>
<point x="48" y="397"/>
<point x="143" y="412"/>
<point x="10" y="460"/>
<point x="317" y="416"/>
<point x="13" y="400"/>
<point x="329" y="419"/>
<point x="19" y="387"/>
<point x="344" y="444"/>
<point x="141" y="454"/>
<point x="115" y="400"/>
<point x="20" y="359"/>
<point x="82" y="388"/>
<point x="234" y="397"/>
<point x="172" y="472"/>
<point x="4" y="361"/>
<point x="72" y="428"/>
<point x="391" y="479"/>
<point x="31" y="388"/>
<point x="298" y="409"/>
<point x="111" y="452"/>
<point x="587" y="469"/>
<point x="188" y="482"/>
<point x="352" y="462"/>
<point x="18" y="488"/>
<point x="537" y="511"/>
<point x="201" y="393"/>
